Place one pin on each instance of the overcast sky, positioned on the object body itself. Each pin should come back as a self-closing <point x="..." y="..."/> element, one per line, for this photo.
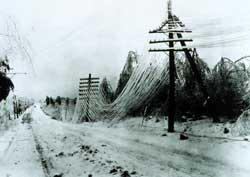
<point x="71" y="38"/>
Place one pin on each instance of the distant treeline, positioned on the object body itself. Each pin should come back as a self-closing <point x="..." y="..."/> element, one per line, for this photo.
<point x="58" y="100"/>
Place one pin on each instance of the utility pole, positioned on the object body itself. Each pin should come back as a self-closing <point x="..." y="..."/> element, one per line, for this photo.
<point x="173" y="28"/>
<point x="87" y="91"/>
<point x="171" y="73"/>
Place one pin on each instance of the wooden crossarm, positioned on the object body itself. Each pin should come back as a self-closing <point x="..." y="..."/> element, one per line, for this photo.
<point x="170" y="40"/>
<point x="170" y="31"/>
<point x="83" y="94"/>
<point x="92" y="78"/>
<point x="86" y="98"/>
<point x="85" y="89"/>
<point x="92" y="82"/>
<point x="170" y="49"/>
<point x="86" y="86"/>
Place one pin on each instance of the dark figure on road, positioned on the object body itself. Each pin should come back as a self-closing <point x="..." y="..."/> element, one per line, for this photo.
<point x="5" y="86"/>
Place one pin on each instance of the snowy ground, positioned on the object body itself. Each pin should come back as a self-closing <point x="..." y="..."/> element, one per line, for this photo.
<point x="40" y="146"/>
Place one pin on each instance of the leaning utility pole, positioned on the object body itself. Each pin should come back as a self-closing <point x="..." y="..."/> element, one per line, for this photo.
<point x="173" y="28"/>
<point x="87" y="90"/>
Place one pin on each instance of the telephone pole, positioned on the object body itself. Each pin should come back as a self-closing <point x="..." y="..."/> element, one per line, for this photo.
<point x="87" y="90"/>
<point x="173" y="28"/>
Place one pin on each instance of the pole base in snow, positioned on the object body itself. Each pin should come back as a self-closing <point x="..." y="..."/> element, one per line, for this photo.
<point x="171" y="130"/>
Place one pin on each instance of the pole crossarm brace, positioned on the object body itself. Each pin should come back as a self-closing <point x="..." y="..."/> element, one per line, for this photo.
<point x="163" y="24"/>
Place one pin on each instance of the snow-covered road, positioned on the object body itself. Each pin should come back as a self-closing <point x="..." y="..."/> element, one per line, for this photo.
<point x="46" y="147"/>
<point x="18" y="154"/>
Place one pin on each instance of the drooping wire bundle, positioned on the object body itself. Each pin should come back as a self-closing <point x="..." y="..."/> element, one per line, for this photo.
<point x="147" y="78"/>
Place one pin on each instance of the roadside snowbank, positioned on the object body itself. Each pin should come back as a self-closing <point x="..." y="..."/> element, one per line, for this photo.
<point x="204" y="127"/>
<point x="242" y="126"/>
<point x="6" y="114"/>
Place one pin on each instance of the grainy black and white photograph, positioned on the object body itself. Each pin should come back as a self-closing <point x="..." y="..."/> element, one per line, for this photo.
<point x="124" y="88"/>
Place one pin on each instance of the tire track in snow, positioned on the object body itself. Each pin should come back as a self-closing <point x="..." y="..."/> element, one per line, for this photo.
<point x="44" y="162"/>
<point x="20" y="157"/>
<point x="10" y="144"/>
